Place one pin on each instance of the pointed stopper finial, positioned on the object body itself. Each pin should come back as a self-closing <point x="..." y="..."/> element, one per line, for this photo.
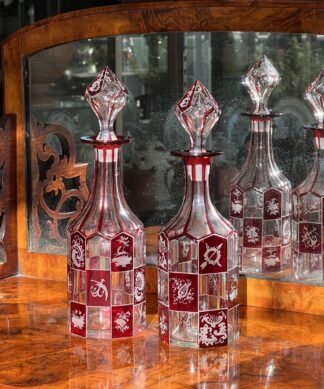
<point x="106" y="96"/>
<point x="260" y="80"/>
<point x="198" y="112"/>
<point x="315" y="96"/>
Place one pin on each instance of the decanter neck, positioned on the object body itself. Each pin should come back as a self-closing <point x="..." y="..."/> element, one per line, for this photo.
<point x="260" y="151"/>
<point x="197" y="191"/>
<point x="319" y="153"/>
<point x="318" y="136"/>
<point x="106" y="176"/>
<point x="106" y="198"/>
<point x="197" y="169"/>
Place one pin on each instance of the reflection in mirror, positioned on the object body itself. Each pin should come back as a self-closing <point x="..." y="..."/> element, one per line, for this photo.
<point x="157" y="69"/>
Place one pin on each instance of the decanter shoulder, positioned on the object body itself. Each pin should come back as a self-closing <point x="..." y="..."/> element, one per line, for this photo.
<point x="197" y="225"/>
<point x="251" y="179"/>
<point x="88" y="223"/>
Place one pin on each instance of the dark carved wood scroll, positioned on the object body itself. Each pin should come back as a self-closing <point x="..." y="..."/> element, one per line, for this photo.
<point x="58" y="187"/>
<point x="8" y="199"/>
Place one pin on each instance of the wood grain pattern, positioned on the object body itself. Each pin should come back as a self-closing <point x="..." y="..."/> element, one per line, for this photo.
<point x="8" y="197"/>
<point x="276" y="349"/>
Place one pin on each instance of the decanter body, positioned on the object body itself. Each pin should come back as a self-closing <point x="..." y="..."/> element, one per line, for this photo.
<point x="308" y="198"/>
<point x="197" y="255"/>
<point x="106" y="243"/>
<point x="260" y="196"/>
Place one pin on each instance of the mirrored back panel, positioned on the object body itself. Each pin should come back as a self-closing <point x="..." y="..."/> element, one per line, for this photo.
<point x="157" y="69"/>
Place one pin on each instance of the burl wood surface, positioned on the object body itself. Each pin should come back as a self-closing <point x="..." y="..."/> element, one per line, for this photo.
<point x="276" y="349"/>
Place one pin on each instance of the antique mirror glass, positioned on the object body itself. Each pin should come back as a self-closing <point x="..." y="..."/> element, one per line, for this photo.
<point x="157" y="69"/>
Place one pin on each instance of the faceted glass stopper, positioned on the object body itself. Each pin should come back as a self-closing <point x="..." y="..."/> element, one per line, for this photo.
<point x="106" y="96"/>
<point x="260" y="80"/>
<point x="198" y="112"/>
<point x="315" y="96"/>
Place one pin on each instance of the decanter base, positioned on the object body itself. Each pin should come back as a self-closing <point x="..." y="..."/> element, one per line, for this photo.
<point x="313" y="277"/>
<point x="106" y="334"/>
<point x="308" y="267"/>
<point x="211" y="333"/>
<point x="247" y="272"/>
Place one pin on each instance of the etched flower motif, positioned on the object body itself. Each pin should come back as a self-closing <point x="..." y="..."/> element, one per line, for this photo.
<point x="139" y="285"/>
<point x="253" y="234"/>
<point x="78" y="319"/>
<point x="121" y="321"/>
<point x="271" y="258"/>
<point x="273" y="207"/>
<point x="237" y="207"/>
<point x="124" y="353"/>
<point x="286" y="230"/>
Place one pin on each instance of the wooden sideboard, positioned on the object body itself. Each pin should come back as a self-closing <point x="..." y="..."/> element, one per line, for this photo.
<point x="296" y="16"/>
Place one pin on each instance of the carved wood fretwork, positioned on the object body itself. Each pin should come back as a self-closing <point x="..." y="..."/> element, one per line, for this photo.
<point x="58" y="188"/>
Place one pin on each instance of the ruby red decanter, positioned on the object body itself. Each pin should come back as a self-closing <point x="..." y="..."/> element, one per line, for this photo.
<point x="260" y="195"/>
<point x="106" y="258"/>
<point x="308" y="198"/>
<point x="198" y="256"/>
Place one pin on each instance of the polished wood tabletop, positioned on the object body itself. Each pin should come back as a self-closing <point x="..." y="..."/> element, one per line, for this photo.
<point x="277" y="349"/>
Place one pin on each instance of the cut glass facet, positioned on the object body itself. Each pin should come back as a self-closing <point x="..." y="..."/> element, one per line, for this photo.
<point x="198" y="256"/>
<point x="260" y="195"/>
<point x="106" y="96"/>
<point x="106" y="255"/>
<point x="315" y="96"/>
<point x="198" y="112"/>
<point x="260" y="81"/>
<point x="308" y="199"/>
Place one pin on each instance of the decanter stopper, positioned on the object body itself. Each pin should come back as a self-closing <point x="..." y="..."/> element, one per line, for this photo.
<point x="198" y="112"/>
<point x="315" y="96"/>
<point x="260" y="80"/>
<point x="106" y="96"/>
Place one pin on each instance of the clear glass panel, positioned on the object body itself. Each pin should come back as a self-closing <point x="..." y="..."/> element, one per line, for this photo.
<point x="157" y="69"/>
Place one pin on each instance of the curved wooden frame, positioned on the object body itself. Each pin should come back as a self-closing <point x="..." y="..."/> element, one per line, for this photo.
<point x="298" y="16"/>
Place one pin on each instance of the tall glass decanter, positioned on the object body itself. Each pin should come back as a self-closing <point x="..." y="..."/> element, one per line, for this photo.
<point x="260" y="195"/>
<point x="106" y="243"/>
<point x="308" y="197"/>
<point x="198" y="252"/>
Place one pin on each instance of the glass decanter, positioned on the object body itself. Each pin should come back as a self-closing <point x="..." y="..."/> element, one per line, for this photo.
<point x="106" y="243"/>
<point x="308" y="197"/>
<point x="260" y="195"/>
<point x="198" y="252"/>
